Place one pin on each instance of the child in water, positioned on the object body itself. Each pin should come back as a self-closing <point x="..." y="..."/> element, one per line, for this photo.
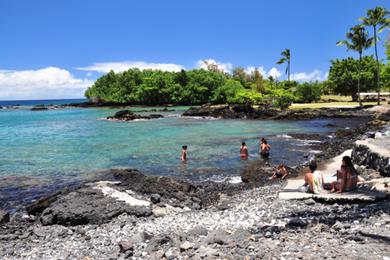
<point x="244" y="151"/>
<point x="184" y="153"/>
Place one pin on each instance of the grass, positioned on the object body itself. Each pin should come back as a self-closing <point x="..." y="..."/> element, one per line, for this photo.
<point x="328" y="104"/>
<point x="336" y="98"/>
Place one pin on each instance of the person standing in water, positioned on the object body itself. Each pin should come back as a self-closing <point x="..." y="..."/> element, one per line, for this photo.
<point x="264" y="148"/>
<point x="184" y="153"/>
<point x="244" y="151"/>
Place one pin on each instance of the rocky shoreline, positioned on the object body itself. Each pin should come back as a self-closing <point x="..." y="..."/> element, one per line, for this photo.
<point x="130" y="215"/>
<point x="249" y="112"/>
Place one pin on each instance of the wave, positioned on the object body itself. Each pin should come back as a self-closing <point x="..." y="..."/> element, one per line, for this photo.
<point x="284" y="136"/>
<point x="200" y="117"/>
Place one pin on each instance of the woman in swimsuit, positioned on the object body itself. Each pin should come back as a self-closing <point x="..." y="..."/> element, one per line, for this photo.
<point x="347" y="176"/>
<point x="264" y="148"/>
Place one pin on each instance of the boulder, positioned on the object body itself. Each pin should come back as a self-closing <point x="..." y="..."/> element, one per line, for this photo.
<point x="4" y="217"/>
<point x="88" y="206"/>
<point x="126" y="115"/>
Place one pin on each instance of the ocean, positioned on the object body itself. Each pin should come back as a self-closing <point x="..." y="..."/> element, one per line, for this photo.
<point x="42" y="151"/>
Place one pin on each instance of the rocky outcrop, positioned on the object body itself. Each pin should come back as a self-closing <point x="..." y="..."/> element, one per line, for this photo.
<point x="89" y="206"/>
<point x="39" y="108"/>
<point x="230" y="112"/>
<point x="127" y="115"/>
<point x="373" y="153"/>
<point x="248" y="112"/>
<point x="129" y="191"/>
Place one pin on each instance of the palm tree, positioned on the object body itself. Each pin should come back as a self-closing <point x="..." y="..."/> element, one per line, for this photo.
<point x="377" y="18"/>
<point x="286" y="58"/>
<point x="357" y="40"/>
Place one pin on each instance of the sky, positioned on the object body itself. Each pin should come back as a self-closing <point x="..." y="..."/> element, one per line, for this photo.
<point x="56" y="49"/>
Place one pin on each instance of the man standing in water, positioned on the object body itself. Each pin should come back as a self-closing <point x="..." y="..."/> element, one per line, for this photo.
<point x="244" y="151"/>
<point x="264" y="148"/>
<point x="184" y="153"/>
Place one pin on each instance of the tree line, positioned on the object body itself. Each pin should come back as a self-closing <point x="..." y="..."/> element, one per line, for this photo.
<point x="212" y="85"/>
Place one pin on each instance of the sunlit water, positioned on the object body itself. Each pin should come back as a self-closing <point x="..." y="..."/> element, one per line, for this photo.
<point x="45" y="150"/>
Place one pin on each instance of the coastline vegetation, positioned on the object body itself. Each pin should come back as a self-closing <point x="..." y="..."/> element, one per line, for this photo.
<point x="347" y="77"/>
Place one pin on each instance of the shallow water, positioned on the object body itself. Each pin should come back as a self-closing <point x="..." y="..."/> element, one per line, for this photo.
<point x="45" y="150"/>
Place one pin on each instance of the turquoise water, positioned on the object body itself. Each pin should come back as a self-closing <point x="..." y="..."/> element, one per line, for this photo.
<point x="45" y="150"/>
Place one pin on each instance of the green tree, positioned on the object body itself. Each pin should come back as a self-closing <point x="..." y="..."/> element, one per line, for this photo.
<point x="357" y="40"/>
<point x="379" y="20"/>
<point x="286" y="58"/>
<point x="344" y="74"/>
<point x="308" y="92"/>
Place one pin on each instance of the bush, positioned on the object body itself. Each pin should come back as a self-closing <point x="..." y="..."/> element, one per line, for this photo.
<point x="308" y="92"/>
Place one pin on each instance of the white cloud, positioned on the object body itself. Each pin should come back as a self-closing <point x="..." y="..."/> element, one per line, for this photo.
<point x="225" y="67"/>
<point x="274" y="72"/>
<point x="50" y="82"/>
<point x="105" y="67"/>
<point x="312" y="76"/>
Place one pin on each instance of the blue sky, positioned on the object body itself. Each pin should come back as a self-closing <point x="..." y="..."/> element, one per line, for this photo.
<point x="54" y="49"/>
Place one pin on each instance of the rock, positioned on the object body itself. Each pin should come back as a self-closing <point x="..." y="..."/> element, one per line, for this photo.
<point x="155" y="198"/>
<point x="218" y="236"/>
<point x="39" y="108"/>
<point x="4" y="217"/>
<point x="296" y="223"/>
<point x="140" y="237"/>
<point x="157" y="242"/>
<point x="207" y="252"/>
<point x="88" y="206"/>
<point x="40" y="205"/>
<point x="126" y="245"/>
<point x="126" y="115"/>
<point x="256" y="174"/>
<point x="364" y="154"/>
<point x="343" y="132"/>
<point x="164" y="186"/>
<point x="310" y="202"/>
<point x="338" y="226"/>
<point x="186" y="246"/>
<point x="172" y="253"/>
<point x="384" y="117"/>
<point x="155" y="116"/>
<point x="197" y="232"/>
<point x="160" y="211"/>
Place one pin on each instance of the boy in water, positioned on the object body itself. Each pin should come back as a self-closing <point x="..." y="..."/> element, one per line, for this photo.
<point x="184" y="153"/>
<point x="244" y="151"/>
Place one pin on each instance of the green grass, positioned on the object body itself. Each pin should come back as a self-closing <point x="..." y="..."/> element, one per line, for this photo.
<point x="328" y="104"/>
<point x="336" y="98"/>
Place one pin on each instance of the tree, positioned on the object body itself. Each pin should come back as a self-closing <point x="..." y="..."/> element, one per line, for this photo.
<point x="378" y="19"/>
<point x="343" y="75"/>
<point x="286" y="58"/>
<point x="357" y="40"/>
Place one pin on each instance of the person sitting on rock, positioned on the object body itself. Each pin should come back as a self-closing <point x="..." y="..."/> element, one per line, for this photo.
<point x="281" y="172"/>
<point x="244" y="151"/>
<point x="313" y="180"/>
<point x="184" y="153"/>
<point x="347" y="176"/>
<point x="264" y="148"/>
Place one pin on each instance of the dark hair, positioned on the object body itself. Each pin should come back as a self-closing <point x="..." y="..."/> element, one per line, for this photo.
<point x="313" y="166"/>
<point x="184" y="147"/>
<point x="243" y="143"/>
<point x="349" y="164"/>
